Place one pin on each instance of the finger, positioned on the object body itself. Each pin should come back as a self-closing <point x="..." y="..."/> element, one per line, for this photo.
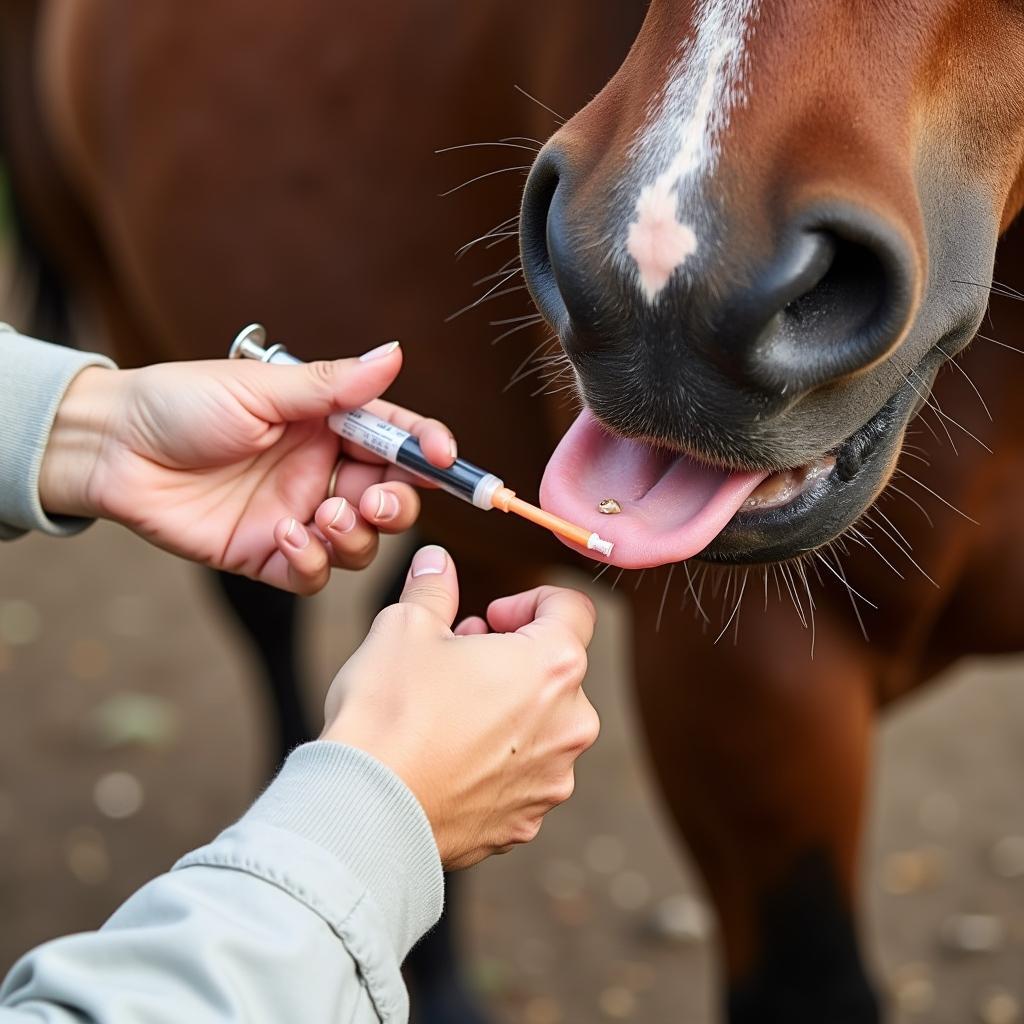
<point x="391" y="508"/>
<point x="390" y="505"/>
<point x="359" y="470"/>
<point x="352" y="541"/>
<point x="306" y="391"/>
<point x="545" y="609"/>
<point x="435" y="438"/>
<point x="586" y="726"/>
<point x="355" y="478"/>
<point x="308" y="564"/>
<point x="432" y="583"/>
<point x="473" y="626"/>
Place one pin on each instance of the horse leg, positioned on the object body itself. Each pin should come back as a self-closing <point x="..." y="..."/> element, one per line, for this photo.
<point x="762" y="757"/>
<point x="269" y="619"/>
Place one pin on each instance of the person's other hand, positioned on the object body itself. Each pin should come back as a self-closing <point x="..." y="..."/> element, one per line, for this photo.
<point x="228" y="463"/>
<point x="483" y="727"/>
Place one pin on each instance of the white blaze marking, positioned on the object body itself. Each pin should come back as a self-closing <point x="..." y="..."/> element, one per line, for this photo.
<point x="702" y="89"/>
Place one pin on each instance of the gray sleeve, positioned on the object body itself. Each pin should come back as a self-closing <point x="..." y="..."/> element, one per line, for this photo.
<point x="33" y="378"/>
<point x="302" y="911"/>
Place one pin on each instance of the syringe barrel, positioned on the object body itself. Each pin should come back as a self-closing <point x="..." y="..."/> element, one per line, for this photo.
<point x="391" y="443"/>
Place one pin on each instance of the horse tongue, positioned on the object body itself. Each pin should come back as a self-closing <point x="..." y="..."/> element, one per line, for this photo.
<point x="672" y="506"/>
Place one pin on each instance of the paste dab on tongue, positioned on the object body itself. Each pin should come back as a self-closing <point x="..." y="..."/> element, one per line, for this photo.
<point x="671" y="507"/>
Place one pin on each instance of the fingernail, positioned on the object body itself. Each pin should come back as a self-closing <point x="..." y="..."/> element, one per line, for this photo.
<point x="453" y="448"/>
<point x="387" y="507"/>
<point x="429" y="561"/>
<point x="296" y="534"/>
<point x="379" y="352"/>
<point x="344" y="520"/>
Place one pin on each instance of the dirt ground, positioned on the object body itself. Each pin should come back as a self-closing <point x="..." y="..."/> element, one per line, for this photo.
<point x="129" y="732"/>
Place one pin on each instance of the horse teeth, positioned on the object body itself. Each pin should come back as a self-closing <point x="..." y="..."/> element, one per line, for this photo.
<point x="784" y="487"/>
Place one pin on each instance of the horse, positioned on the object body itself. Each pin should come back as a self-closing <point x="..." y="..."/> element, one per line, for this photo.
<point x="763" y="245"/>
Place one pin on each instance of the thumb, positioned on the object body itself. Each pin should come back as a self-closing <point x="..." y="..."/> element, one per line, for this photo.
<point x="433" y="583"/>
<point x="308" y="391"/>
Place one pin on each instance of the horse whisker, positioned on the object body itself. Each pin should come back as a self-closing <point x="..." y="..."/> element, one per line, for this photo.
<point x="736" y="610"/>
<point x="841" y="576"/>
<point x="491" y="293"/>
<point x="696" y="599"/>
<point x="956" y="423"/>
<point x="523" y="138"/>
<point x="810" y="602"/>
<point x="510" y="270"/>
<point x="526" y="370"/>
<point x="547" y="389"/>
<point x="1001" y="344"/>
<point x="482" y="145"/>
<point x="700" y="594"/>
<point x="499" y="230"/>
<point x="532" y="317"/>
<point x="491" y="238"/>
<point x="948" y="504"/>
<point x="912" y="455"/>
<point x="904" y="547"/>
<point x="788" y="580"/>
<point x="912" y="500"/>
<point x="870" y="544"/>
<point x="513" y="330"/>
<point x="481" y="177"/>
<point x="664" y="595"/>
<point x="974" y="387"/>
<point x="928" y="403"/>
<point x="1003" y="290"/>
<point x="558" y="117"/>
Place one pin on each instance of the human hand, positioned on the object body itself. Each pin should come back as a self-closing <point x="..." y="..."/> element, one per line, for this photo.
<point x="228" y="462"/>
<point x="483" y="727"/>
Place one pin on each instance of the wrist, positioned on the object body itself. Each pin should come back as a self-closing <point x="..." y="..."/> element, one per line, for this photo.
<point x="384" y="750"/>
<point x="75" y="444"/>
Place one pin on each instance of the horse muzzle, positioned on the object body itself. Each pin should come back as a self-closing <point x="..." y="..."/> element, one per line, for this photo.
<point x="752" y="406"/>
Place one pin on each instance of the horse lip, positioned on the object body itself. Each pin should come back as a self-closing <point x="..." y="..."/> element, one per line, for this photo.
<point x="851" y="457"/>
<point x="864" y="462"/>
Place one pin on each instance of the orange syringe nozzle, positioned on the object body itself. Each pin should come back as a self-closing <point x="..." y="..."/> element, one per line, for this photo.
<point x="506" y="500"/>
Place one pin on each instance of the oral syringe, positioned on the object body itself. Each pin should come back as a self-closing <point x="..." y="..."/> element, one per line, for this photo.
<point x="397" y="446"/>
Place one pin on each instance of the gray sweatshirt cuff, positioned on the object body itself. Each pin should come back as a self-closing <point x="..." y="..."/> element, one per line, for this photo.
<point x="34" y="376"/>
<point x="359" y="811"/>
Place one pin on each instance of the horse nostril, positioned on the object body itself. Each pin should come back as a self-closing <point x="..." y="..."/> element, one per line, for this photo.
<point x="835" y="303"/>
<point x="538" y="199"/>
<point x="848" y="295"/>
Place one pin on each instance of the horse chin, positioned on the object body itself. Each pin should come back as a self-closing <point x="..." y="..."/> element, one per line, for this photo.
<point x="829" y="495"/>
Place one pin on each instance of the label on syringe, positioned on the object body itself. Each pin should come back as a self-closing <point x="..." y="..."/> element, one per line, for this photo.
<point x="371" y="432"/>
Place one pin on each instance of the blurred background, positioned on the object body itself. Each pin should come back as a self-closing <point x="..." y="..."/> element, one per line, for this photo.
<point x="129" y="733"/>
